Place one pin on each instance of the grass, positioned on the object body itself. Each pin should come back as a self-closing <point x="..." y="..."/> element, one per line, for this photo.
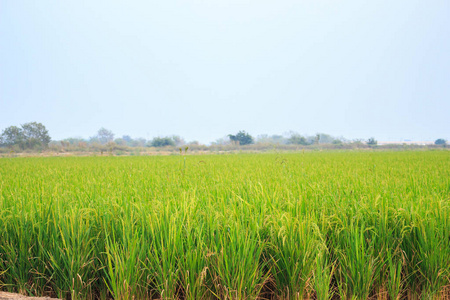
<point x="316" y="225"/>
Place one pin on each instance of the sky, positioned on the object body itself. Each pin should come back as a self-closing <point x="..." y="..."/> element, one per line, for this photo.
<point x="203" y="69"/>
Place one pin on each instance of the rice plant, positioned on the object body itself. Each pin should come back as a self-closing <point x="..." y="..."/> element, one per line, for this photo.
<point x="310" y="225"/>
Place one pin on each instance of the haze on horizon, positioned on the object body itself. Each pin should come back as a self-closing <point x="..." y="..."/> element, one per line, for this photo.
<point x="203" y="69"/>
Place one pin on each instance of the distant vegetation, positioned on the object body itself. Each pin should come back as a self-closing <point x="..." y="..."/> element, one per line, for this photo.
<point x="33" y="137"/>
<point x="166" y="141"/>
<point x="241" y="138"/>
<point x="440" y="142"/>
<point x="372" y="142"/>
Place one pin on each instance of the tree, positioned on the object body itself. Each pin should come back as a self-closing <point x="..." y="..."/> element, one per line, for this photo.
<point x="297" y="139"/>
<point x="440" y="142"/>
<point x="242" y="137"/>
<point x="139" y="142"/>
<point x="372" y="142"/>
<point x="35" y="134"/>
<point x="273" y="139"/>
<point x="74" y="140"/>
<point x="325" y="138"/>
<point x="162" y="141"/>
<point x="120" y="141"/>
<point x="179" y="141"/>
<point x="13" y="135"/>
<point x="103" y="136"/>
<point x="127" y="139"/>
<point x="29" y="135"/>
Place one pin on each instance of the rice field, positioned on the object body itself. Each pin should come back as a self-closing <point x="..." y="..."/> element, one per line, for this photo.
<point x="315" y="225"/>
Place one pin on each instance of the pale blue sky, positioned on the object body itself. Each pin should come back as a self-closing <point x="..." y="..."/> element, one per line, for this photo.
<point x="205" y="68"/>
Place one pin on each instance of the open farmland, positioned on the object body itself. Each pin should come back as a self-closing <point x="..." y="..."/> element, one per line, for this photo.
<point x="347" y="225"/>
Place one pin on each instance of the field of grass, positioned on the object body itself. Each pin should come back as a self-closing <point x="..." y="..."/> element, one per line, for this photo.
<point x="317" y="225"/>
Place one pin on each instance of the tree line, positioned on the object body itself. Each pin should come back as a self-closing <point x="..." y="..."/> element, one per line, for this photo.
<point x="34" y="135"/>
<point x="28" y="136"/>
